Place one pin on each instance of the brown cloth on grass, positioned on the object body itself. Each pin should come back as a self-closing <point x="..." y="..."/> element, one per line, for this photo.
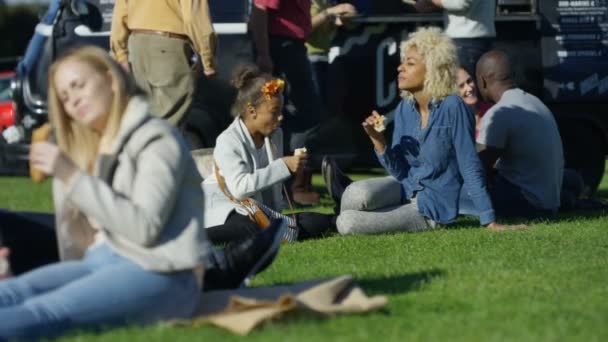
<point x="240" y="311"/>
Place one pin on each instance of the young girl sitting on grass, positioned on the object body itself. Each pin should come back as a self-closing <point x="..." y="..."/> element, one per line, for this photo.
<point x="249" y="156"/>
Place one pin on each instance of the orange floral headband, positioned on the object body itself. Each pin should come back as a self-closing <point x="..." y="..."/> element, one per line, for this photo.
<point x="273" y="87"/>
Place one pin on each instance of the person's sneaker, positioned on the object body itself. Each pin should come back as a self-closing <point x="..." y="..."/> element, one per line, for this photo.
<point x="252" y="256"/>
<point x="244" y="259"/>
<point x="335" y="180"/>
<point x="290" y="232"/>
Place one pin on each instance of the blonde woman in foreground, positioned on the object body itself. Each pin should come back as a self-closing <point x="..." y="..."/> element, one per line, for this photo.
<point x="128" y="212"/>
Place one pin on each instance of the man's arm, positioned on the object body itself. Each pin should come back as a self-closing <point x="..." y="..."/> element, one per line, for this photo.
<point x="455" y="5"/>
<point x="321" y="16"/>
<point x="258" y="25"/>
<point x="119" y="34"/>
<point x="198" y="26"/>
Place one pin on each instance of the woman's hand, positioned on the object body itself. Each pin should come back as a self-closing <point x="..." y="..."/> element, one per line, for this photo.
<point x="377" y="137"/>
<point x="295" y="163"/>
<point x="500" y="227"/>
<point x="49" y="159"/>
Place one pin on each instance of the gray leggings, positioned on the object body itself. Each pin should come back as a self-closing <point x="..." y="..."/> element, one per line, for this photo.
<point x="373" y="206"/>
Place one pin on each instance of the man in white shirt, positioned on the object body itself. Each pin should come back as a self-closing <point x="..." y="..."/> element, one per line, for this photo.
<point x="470" y="23"/>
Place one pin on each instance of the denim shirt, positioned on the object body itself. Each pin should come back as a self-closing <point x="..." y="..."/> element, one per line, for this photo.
<point x="432" y="163"/>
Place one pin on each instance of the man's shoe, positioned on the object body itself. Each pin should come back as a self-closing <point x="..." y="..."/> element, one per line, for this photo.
<point x="250" y="257"/>
<point x="335" y="180"/>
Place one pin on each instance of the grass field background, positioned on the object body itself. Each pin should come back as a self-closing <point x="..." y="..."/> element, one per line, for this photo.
<point x="462" y="283"/>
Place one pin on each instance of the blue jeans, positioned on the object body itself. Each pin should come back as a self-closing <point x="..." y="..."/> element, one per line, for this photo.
<point x="31" y="239"/>
<point x="36" y="44"/>
<point x="104" y="289"/>
<point x="508" y="200"/>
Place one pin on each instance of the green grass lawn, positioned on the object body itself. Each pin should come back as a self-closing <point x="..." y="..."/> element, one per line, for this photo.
<point x="463" y="283"/>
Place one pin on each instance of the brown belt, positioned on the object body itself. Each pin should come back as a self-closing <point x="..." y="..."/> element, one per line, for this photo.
<point x="161" y="33"/>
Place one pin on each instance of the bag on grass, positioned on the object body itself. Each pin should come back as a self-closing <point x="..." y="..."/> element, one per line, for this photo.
<point x="260" y="213"/>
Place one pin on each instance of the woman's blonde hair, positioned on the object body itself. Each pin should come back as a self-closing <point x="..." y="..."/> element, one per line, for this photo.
<point x="79" y="142"/>
<point x="440" y="58"/>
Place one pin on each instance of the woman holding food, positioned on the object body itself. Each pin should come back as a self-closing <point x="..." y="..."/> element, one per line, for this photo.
<point x="250" y="164"/>
<point x="127" y="222"/>
<point x="431" y="154"/>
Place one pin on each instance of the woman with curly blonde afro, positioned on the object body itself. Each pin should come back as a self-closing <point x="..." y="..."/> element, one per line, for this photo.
<point x="432" y="151"/>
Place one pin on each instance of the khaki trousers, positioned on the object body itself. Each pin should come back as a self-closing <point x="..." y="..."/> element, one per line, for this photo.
<point x="161" y="68"/>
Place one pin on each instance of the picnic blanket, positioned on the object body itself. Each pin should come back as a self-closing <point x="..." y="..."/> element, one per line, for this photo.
<point x="242" y="310"/>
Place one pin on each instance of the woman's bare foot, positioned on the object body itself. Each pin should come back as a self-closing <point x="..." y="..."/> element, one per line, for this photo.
<point x="5" y="268"/>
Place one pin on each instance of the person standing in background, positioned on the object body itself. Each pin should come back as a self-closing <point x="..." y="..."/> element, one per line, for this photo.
<point x="156" y="40"/>
<point x="279" y="29"/>
<point x="470" y="24"/>
<point x="327" y="17"/>
<point x="36" y="44"/>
